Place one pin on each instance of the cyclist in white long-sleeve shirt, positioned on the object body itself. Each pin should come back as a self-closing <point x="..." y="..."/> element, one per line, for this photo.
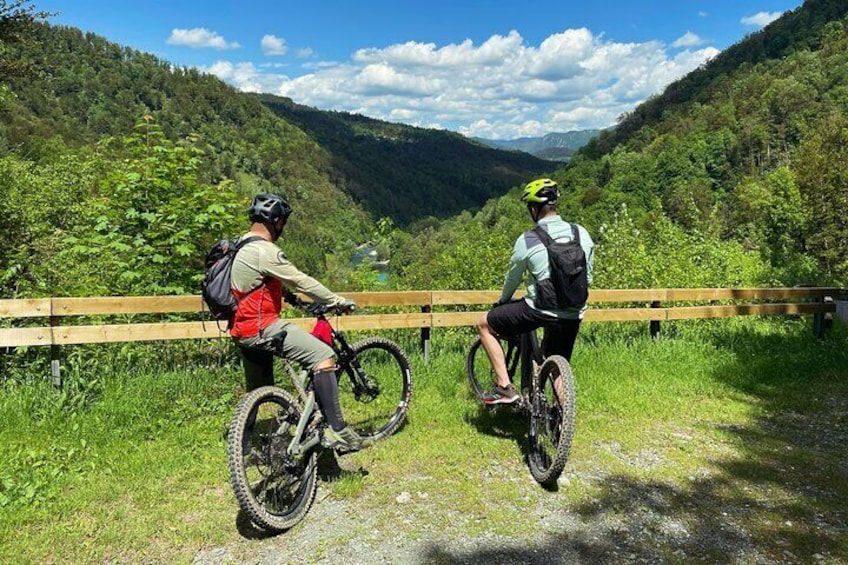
<point x="512" y="317"/>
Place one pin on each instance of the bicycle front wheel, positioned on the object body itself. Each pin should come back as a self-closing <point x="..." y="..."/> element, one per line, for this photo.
<point x="375" y="387"/>
<point x="552" y="412"/>
<point x="272" y="488"/>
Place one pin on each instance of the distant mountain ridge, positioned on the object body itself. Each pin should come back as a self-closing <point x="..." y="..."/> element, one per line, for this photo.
<point x="554" y="146"/>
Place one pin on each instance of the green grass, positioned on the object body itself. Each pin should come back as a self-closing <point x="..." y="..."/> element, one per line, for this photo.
<point x="746" y="416"/>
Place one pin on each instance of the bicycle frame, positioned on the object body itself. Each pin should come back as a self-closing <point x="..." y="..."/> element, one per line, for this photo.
<point x="297" y="447"/>
<point x="521" y="352"/>
<point x="346" y="359"/>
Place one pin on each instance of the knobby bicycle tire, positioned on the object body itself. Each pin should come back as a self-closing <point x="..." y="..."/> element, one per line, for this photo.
<point x="385" y="364"/>
<point x="273" y="494"/>
<point x="552" y="414"/>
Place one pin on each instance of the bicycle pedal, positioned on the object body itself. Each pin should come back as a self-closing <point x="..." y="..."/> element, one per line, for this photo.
<point x="497" y="407"/>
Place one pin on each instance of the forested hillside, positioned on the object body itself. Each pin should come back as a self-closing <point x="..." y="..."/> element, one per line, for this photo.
<point x="797" y="30"/>
<point x="735" y="175"/>
<point x="119" y="169"/>
<point x="408" y="173"/>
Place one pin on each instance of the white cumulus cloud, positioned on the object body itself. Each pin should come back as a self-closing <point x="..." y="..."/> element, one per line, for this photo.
<point x="502" y="88"/>
<point x="199" y="37"/>
<point x="273" y="45"/>
<point x="688" y="39"/>
<point x="761" y="19"/>
<point x="246" y="76"/>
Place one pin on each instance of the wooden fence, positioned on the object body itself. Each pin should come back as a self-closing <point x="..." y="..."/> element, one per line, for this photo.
<point x="642" y="305"/>
<point x="430" y="309"/>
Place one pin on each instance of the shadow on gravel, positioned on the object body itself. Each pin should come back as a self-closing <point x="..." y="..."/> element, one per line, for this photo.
<point x="248" y="530"/>
<point x="779" y="495"/>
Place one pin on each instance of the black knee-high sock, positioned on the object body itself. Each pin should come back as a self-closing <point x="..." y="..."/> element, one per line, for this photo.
<point x="327" y="391"/>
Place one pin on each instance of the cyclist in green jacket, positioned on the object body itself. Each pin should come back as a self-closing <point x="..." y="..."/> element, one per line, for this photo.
<point x="512" y="317"/>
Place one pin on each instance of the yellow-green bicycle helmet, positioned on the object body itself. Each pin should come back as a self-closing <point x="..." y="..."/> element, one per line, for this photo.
<point x="540" y="191"/>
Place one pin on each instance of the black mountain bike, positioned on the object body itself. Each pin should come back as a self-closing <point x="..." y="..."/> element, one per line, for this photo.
<point x="547" y="398"/>
<point x="274" y="438"/>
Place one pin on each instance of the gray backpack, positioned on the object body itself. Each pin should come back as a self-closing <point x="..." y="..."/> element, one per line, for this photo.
<point x="215" y="286"/>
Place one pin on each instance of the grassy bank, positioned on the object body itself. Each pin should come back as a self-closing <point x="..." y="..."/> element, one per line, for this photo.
<point x="737" y="422"/>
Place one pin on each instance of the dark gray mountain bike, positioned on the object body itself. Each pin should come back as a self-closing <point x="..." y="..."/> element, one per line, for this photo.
<point x="547" y="399"/>
<point x="274" y="438"/>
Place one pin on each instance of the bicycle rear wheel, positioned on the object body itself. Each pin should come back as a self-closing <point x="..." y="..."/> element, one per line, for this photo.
<point x="273" y="489"/>
<point x="479" y="369"/>
<point x="375" y="387"/>
<point x="552" y="413"/>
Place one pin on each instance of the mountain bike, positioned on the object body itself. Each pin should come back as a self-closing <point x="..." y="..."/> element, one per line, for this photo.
<point x="274" y="438"/>
<point x="547" y="398"/>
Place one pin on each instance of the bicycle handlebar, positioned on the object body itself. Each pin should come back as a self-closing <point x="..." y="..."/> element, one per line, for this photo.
<point x="316" y="308"/>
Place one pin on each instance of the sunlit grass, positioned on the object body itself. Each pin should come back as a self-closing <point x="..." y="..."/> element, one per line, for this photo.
<point x="139" y="470"/>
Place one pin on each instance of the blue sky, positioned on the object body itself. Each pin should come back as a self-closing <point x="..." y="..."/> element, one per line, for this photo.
<point x="499" y="68"/>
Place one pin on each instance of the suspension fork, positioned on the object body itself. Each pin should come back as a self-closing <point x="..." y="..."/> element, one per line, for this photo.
<point x="362" y="384"/>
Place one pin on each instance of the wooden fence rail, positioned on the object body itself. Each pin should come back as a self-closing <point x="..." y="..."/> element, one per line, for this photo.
<point x="642" y="305"/>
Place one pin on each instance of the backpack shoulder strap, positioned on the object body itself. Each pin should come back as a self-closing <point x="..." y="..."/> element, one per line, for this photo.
<point x="544" y="236"/>
<point x="575" y="233"/>
<point x="242" y="242"/>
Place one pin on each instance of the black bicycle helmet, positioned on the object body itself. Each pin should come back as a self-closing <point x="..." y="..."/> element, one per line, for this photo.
<point x="267" y="207"/>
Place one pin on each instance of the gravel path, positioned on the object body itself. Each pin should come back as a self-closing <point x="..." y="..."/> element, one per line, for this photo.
<point x="635" y="523"/>
<point x="758" y="500"/>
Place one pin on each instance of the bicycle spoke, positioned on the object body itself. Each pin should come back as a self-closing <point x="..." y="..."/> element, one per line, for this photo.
<point x="375" y="388"/>
<point x="553" y="418"/>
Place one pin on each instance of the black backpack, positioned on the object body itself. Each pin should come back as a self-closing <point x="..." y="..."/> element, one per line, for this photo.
<point x="568" y="286"/>
<point x="215" y="286"/>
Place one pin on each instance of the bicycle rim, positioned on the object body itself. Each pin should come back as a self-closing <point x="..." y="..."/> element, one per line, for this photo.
<point x="376" y="415"/>
<point x="272" y="489"/>
<point x="551" y="419"/>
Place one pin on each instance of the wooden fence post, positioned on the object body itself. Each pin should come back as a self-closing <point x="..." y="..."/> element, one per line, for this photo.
<point x="55" y="367"/>
<point x="821" y="320"/>
<point x="655" y="324"/>
<point x="425" y="336"/>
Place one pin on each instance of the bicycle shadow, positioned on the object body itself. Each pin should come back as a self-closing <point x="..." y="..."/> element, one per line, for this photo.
<point x="505" y="422"/>
<point x="248" y="530"/>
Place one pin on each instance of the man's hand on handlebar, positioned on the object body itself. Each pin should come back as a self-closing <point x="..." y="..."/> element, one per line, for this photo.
<point x="347" y="306"/>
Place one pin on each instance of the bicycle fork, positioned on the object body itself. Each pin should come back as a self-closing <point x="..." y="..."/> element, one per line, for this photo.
<point x="363" y="385"/>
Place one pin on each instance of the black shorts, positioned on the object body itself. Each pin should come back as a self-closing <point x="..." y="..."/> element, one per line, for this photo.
<point x="517" y="317"/>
